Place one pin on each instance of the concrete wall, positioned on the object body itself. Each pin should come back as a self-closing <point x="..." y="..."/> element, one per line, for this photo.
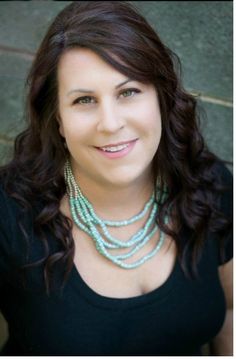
<point x="200" y="32"/>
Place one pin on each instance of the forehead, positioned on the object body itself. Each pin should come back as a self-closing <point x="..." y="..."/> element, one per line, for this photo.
<point x="84" y="65"/>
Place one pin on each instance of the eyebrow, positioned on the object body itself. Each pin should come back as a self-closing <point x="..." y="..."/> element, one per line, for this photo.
<point x="91" y="91"/>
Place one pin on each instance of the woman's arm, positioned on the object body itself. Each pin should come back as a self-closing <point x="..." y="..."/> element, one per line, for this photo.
<point x="222" y="344"/>
<point x="3" y="331"/>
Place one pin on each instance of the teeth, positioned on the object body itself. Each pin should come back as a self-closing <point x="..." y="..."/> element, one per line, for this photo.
<point x="115" y="148"/>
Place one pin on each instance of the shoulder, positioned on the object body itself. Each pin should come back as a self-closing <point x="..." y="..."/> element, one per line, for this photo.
<point x="12" y="215"/>
<point x="223" y="241"/>
<point x="222" y="173"/>
<point x="7" y="232"/>
<point x="9" y="208"/>
<point x="224" y="178"/>
<point x="223" y="169"/>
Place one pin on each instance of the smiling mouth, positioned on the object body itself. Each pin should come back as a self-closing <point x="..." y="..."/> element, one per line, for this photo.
<point x="116" y="147"/>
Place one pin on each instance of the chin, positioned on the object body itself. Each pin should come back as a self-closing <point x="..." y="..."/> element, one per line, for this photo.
<point x="126" y="178"/>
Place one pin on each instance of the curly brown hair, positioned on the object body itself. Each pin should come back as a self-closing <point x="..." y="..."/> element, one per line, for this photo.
<point x="123" y="38"/>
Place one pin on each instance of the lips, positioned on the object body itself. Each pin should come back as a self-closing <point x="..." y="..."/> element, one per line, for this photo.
<point x="117" y="150"/>
<point x="115" y="147"/>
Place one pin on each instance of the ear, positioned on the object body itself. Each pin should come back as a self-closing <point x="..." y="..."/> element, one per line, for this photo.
<point x="61" y="128"/>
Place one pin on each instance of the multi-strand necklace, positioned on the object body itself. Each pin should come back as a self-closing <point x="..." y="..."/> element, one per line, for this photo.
<point x="87" y="220"/>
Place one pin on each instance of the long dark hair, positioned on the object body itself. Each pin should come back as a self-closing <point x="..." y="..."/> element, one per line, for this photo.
<point x="123" y="38"/>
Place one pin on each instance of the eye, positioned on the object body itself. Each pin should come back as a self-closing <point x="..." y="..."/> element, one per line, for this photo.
<point x="83" y="100"/>
<point x="86" y="100"/>
<point x="130" y="92"/>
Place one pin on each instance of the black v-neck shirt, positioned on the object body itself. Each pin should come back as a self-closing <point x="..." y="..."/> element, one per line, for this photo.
<point x="176" y="318"/>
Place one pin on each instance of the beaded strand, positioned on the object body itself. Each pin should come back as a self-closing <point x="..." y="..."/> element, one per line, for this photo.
<point x="86" y="219"/>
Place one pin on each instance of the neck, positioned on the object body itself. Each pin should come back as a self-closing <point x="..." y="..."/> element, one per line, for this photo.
<point x="116" y="202"/>
<point x="119" y="204"/>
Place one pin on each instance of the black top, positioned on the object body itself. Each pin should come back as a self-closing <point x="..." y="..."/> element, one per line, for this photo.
<point x="175" y="319"/>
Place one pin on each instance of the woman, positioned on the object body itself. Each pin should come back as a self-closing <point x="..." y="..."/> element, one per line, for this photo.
<point x="115" y="217"/>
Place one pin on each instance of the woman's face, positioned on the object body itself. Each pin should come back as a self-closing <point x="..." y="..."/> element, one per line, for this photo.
<point x="112" y="126"/>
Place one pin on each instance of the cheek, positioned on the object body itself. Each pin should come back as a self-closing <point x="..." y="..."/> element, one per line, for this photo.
<point x="149" y="110"/>
<point x="61" y="129"/>
<point x="156" y="120"/>
<point x="153" y="131"/>
<point x="151" y="122"/>
<point x="76" y="130"/>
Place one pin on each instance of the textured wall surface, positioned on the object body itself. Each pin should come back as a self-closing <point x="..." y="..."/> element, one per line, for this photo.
<point x="200" y="32"/>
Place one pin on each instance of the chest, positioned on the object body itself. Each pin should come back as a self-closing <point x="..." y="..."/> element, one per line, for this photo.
<point x="108" y="279"/>
<point x="172" y="320"/>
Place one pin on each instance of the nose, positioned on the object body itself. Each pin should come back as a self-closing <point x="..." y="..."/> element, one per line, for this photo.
<point x="109" y="120"/>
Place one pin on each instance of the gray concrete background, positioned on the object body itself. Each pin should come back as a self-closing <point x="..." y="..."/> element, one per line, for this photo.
<point x="200" y="32"/>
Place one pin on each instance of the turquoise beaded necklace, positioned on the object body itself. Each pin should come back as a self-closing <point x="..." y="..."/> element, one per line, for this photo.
<point x="87" y="220"/>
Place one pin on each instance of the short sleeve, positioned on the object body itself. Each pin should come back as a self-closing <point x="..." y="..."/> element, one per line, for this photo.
<point x="5" y="236"/>
<point x="13" y="245"/>
<point x="225" y="251"/>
